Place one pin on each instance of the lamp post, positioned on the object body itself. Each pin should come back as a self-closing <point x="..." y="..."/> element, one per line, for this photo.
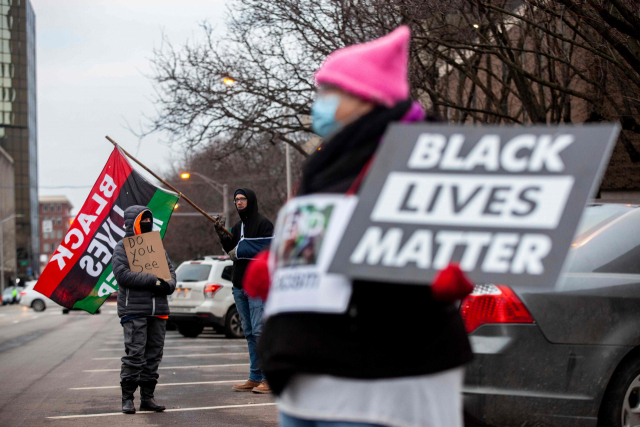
<point x="2" y="249"/>
<point x="223" y="189"/>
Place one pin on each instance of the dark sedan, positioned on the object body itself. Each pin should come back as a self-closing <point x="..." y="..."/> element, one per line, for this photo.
<point x="566" y="357"/>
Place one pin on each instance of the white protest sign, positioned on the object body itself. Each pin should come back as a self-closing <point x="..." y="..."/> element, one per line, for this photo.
<point x="504" y="202"/>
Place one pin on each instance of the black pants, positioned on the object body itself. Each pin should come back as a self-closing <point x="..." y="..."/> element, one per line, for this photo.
<point x="143" y="343"/>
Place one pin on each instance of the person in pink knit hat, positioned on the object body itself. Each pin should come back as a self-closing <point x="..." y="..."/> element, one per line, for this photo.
<point x="339" y="352"/>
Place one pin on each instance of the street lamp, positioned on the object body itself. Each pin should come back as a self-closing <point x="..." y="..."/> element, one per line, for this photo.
<point x="2" y="248"/>
<point x="223" y="189"/>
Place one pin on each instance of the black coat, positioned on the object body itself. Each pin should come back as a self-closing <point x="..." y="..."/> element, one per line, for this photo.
<point x="136" y="290"/>
<point x="389" y="330"/>
<point x="255" y="225"/>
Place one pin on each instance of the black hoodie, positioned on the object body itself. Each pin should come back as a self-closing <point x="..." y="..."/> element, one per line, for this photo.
<point x="255" y="225"/>
<point x="135" y="290"/>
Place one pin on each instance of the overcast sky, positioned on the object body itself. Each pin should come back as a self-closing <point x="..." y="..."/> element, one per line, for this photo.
<point x="92" y="61"/>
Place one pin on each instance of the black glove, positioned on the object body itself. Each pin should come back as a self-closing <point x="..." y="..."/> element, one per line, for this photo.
<point x="219" y="225"/>
<point x="162" y="287"/>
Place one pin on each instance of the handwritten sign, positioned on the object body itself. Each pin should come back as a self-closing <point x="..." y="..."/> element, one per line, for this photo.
<point x="503" y="201"/>
<point x="146" y="255"/>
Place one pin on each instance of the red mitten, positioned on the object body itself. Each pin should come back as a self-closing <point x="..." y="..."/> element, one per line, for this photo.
<point x="451" y="284"/>
<point x="256" y="280"/>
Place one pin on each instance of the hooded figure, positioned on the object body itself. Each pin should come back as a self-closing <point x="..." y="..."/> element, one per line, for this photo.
<point x="252" y="225"/>
<point x="394" y="356"/>
<point x="143" y="310"/>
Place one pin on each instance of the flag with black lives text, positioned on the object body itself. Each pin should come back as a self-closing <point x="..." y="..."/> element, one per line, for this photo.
<point x="79" y="274"/>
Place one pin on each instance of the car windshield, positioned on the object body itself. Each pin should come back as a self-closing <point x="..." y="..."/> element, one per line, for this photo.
<point x="193" y="272"/>
<point x="603" y="243"/>
<point x="597" y="216"/>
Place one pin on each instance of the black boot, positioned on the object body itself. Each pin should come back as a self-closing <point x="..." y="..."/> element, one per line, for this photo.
<point x="146" y="396"/>
<point x="128" y="389"/>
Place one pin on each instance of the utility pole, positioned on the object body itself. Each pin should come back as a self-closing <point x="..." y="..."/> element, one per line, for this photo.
<point x="2" y="249"/>
<point x="287" y="153"/>
<point x="225" y="201"/>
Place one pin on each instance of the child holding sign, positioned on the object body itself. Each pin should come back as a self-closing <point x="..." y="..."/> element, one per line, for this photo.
<point x="143" y="310"/>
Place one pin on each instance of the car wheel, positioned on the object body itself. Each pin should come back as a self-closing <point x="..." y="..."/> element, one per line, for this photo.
<point x="621" y="400"/>
<point x="233" y="325"/>
<point x="190" y="330"/>
<point x="38" y="305"/>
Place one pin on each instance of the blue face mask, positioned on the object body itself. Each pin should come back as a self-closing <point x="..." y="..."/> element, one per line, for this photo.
<point x="323" y="115"/>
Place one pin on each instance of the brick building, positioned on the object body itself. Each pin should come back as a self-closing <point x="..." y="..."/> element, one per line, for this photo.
<point x="55" y="221"/>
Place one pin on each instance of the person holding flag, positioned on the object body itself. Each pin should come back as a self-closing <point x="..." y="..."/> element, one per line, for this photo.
<point x="143" y="310"/>
<point x="249" y="236"/>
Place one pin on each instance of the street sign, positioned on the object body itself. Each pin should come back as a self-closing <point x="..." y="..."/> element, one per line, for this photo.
<point x="504" y="202"/>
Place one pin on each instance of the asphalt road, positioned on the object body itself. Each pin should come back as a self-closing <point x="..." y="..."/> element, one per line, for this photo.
<point x="63" y="370"/>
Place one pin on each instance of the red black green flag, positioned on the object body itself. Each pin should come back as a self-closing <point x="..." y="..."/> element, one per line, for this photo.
<point x="79" y="273"/>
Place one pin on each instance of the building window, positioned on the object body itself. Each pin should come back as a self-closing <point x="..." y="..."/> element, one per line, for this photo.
<point x="59" y="219"/>
<point x="45" y="208"/>
<point x="59" y="234"/>
<point x="45" y="248"/>
<point x="59" y="207"/>
<point x="52" y="208"/>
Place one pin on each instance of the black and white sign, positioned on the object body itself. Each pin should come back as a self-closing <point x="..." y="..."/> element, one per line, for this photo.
<point x="504" y="202"/>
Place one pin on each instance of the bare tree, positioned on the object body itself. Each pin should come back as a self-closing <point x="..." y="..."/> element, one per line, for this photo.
<point x="262" y="170"/>
<point x="482" y="61"/>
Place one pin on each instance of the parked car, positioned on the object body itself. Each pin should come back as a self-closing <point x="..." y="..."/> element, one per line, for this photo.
<point x="7" y="295"/>
<point x="203" y="298"/>
<point x="568" y="356"/>
<point x="35" y="300"/>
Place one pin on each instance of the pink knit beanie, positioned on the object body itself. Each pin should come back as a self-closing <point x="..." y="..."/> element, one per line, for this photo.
<point x="375" y="71"/>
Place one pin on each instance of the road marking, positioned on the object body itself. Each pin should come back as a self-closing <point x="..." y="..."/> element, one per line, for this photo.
<point x="162" y="385"/>
<point x="183" y="347"/>
<point x="15" y="321"/>
<point x="181" y="355"/>
<point x="174" y="367"/>
<point x="205" y="408"/>
<point x="190" y="340"/>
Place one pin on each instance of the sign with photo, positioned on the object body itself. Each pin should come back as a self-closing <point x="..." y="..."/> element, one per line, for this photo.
<point x="307" y="234"/>
<point x="504" y="202"/>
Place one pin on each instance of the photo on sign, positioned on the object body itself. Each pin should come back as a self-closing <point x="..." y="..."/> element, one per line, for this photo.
<point x="304" y="230"/>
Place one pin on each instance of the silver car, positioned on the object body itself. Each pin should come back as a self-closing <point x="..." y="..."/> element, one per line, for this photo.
<point x="204" y="297"/>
